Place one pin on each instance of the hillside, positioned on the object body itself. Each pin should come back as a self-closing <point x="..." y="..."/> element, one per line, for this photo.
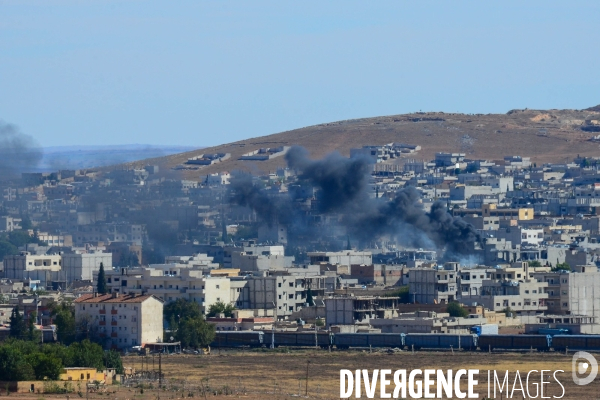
<point x="545" y="136"/>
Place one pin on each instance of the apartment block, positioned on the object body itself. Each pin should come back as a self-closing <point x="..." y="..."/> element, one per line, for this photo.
<point x="123" y="320"/>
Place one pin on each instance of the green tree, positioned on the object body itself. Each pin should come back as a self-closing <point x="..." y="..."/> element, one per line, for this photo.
<point x="309" y="298"/>
<point x="33" y="335"/>
<point x="64" y="318"/>
<point x="102" y="288"/>
<point x="508" y="312"/>
<point x="402" y="294"/>
<point x="14" y="366"/>
<point x="63" y="353"/>
<point x="535" y="264"/>
<point x="7" y="249"/>
<point x="112" y="359"/>
<point x="456" y="310"/>
<point x="195" y="332"/>
<point x="45" y="366"/>
<point x="181" y="309"/>
<point x="561" y="267"/>
<point x="221" y="308"/>
<point x="18" y="328"/>
<point x="87" y="354"/>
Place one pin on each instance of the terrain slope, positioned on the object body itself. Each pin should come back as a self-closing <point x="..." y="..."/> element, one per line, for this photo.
<point x="543" y="135"/>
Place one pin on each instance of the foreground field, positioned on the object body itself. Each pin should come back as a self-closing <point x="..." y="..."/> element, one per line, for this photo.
<point x="281" y="374"/>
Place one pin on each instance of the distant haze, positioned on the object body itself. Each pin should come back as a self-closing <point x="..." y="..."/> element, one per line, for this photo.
<point x="78" y="157"/>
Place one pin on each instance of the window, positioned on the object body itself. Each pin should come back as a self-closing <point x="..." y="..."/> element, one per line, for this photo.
<point x="291" y="296"/>
<point x="291" y="284"/>
<point x="217" y="286"/>
<point x="497" y="304"/>
<point x="279" y="284"/>
<point x="565" y="304"/>
<point x="291" y="308"/>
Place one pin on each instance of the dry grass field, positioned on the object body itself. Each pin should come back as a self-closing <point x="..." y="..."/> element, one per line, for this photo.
<point x="281" y="374"/>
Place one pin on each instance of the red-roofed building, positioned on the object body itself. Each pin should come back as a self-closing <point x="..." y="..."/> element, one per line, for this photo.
<point x="124" y="320"/>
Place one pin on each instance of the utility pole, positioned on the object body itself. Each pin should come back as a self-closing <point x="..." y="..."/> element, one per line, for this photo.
<point x="306" y="390"/>
<point x="159" y="374"/>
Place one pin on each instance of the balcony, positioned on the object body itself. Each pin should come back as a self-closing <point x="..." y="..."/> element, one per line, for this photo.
<point x="102" y="311"/>
<point x="113" y="312"/>
<point x="114" y="334"/>
<point x="102" y="323"/>
<point x="114" y="323"/>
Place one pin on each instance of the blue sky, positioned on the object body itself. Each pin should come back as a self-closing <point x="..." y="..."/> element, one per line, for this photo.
<point x="206" y="72"/>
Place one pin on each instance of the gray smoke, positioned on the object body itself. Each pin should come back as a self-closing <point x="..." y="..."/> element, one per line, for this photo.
<point x="269" y="208"/>
<point x="342" y="181"/>
<point x="18" y="152"/>
<point x="342" y="185"/>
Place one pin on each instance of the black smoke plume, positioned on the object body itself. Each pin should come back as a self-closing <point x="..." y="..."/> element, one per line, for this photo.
<point x="18" y="152"/>
<point x="342" y="188"/>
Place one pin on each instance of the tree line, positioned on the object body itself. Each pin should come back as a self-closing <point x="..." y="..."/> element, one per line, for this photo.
<point x="24" y="360"/>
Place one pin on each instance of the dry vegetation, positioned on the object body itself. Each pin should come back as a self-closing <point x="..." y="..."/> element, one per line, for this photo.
<point x="281" y="375"/>
<point x="548" y="135"/>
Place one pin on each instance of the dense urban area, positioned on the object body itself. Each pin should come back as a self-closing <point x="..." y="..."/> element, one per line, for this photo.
<point x="379" y="249"/>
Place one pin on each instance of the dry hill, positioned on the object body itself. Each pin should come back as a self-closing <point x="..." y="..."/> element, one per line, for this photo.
<point x="545" y="136"/>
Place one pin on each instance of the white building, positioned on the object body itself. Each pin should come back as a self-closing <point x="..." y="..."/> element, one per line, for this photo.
<point x="170" y="282"/>
<point x="125" y="320"/>
<point x="9" y="224"/>
<point x="83" y="266"/>
<point x="26" y="266"/>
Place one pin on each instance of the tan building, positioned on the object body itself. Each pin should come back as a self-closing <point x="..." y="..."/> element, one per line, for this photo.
<point x="125" y="320"/>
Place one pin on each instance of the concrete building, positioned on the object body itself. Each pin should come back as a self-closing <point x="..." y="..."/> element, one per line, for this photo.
<point x="56" y="240"/>
<point x="125" y="320"/>
<point x="352" y="310"/>
<point x="9" y="224"/>
<point x="434" y="285"/>
<point x="83" y="266"/>
<point x="170" y="282"/>
<point x="346" y="257"/>
<point x="427" y="322"/>
<point x="26" y="266"/>
<point x="576" y="293"/>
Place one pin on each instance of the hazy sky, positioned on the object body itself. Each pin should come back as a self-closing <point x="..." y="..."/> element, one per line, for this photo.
<point x="207" y="72"/>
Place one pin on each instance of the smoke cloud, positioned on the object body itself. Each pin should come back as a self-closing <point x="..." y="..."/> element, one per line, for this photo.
<point x="18" y="152"/>
<point x="342" y="188"/>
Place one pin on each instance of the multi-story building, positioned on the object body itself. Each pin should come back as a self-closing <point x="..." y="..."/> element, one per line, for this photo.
<point x="26" y="266"/>
<point x="170" y="282"/>
<point x="9" y="224"/>
<point x="575" y="293"/>
<point x="348" y="257"/>
<point x="83" y="266"/>
<point x="351" y="310"/>
<point x="123" y="320"/>
<point x="434" y="285"/>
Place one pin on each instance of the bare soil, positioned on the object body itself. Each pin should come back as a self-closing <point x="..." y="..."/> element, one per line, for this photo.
<point x="543" y="135"/>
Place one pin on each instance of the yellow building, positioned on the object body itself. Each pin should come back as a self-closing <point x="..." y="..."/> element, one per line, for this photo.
<point x="521" y="214"/>
<point x="82" y="374"/>
<point x="225" y="272"/>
